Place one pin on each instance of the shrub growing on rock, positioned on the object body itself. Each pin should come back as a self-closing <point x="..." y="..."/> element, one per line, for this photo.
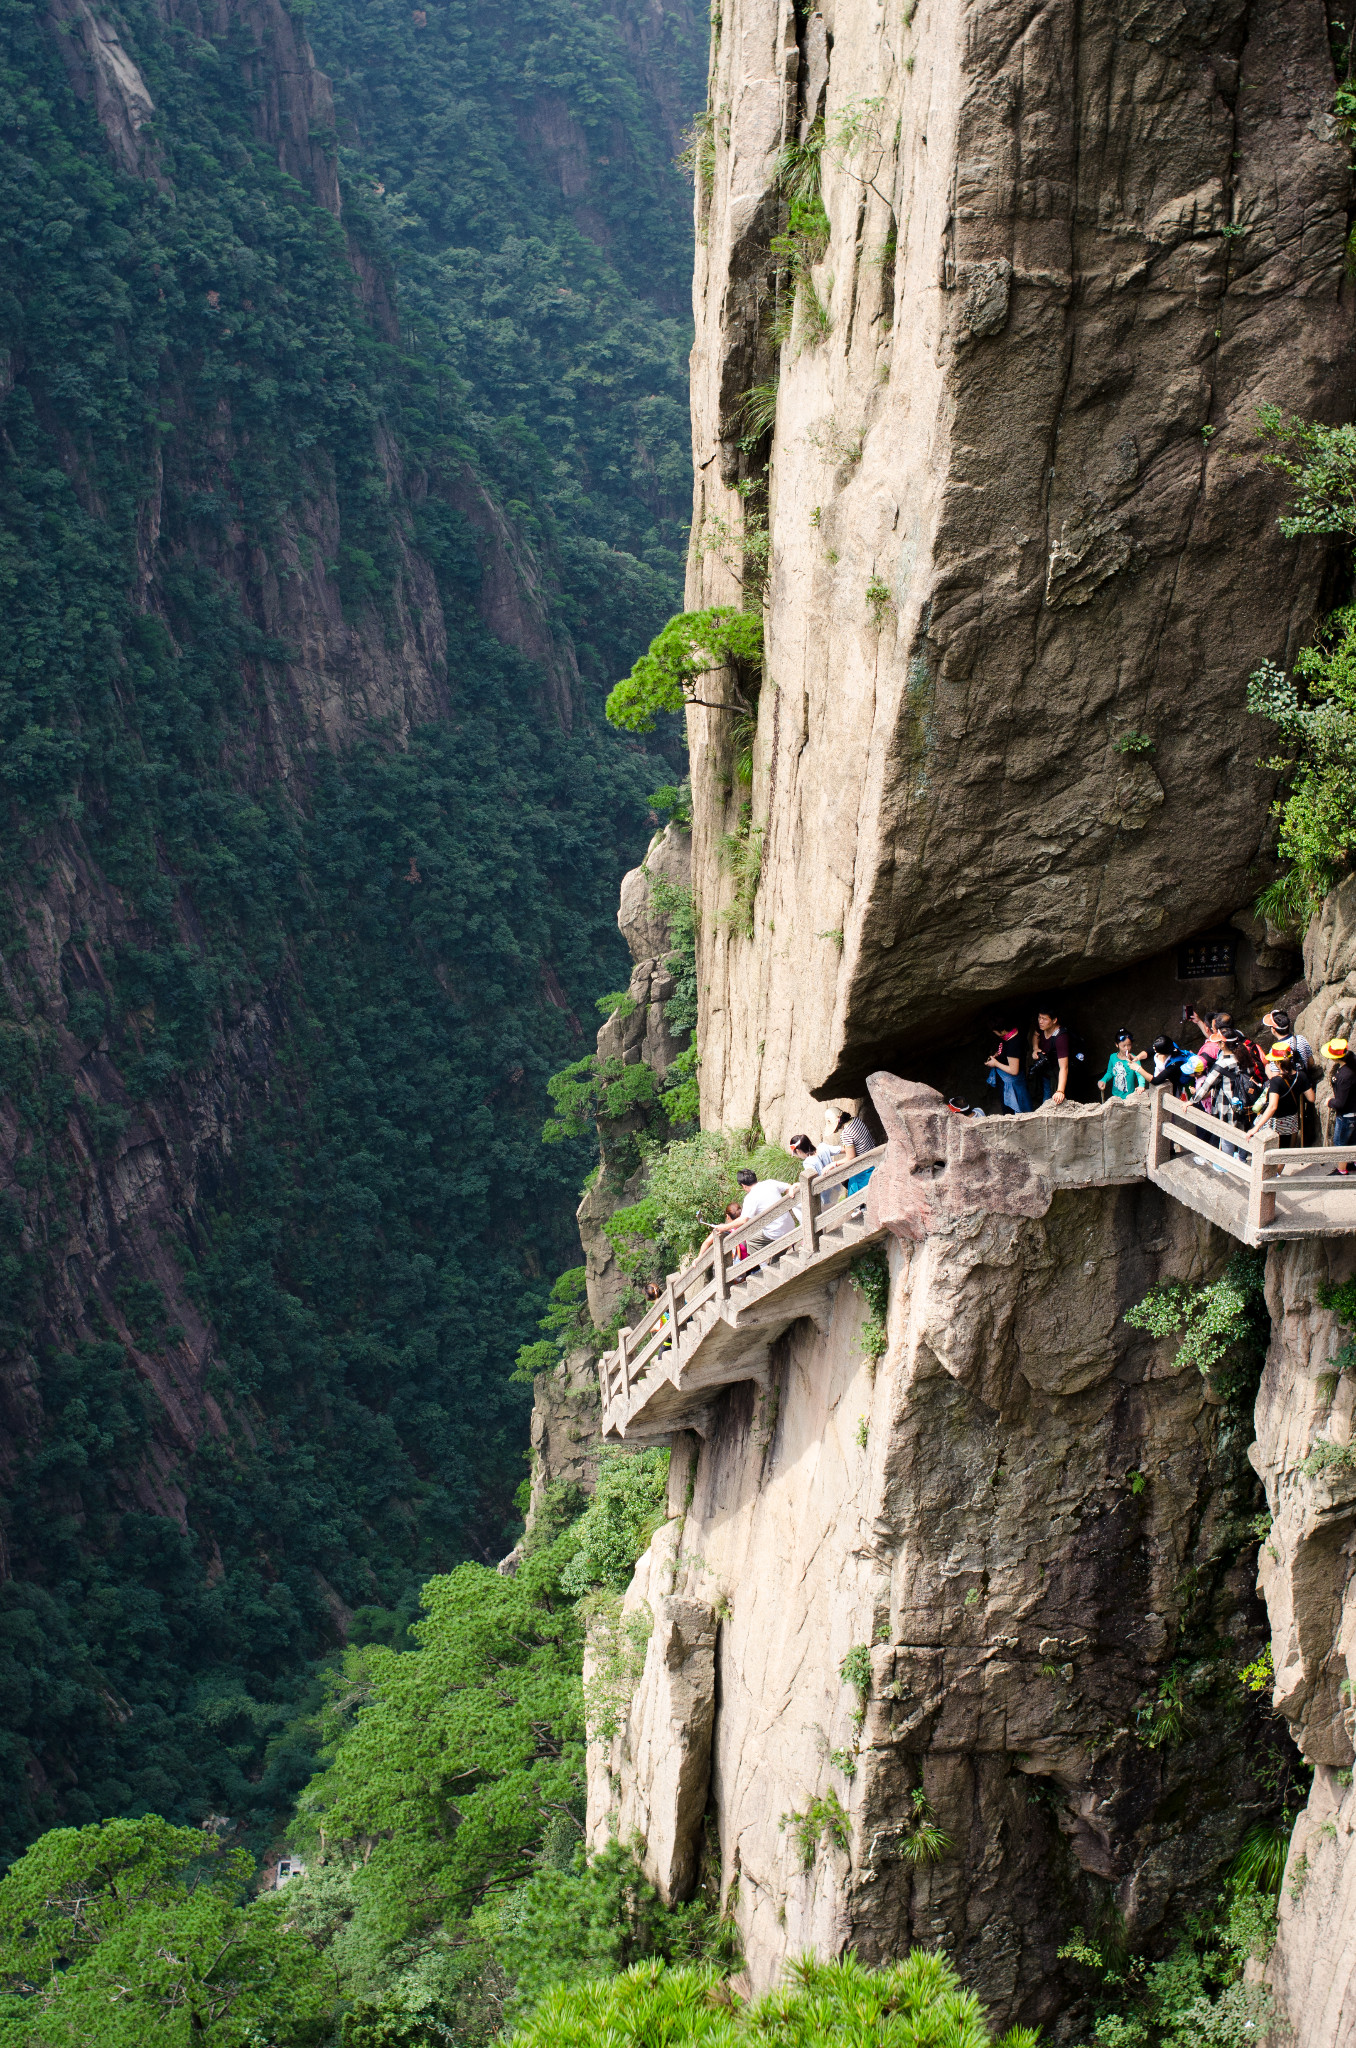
<point x="918" y="2003"/>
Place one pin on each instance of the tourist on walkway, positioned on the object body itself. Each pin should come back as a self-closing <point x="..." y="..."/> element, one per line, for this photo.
<point x="1211" y="1029"/>
<point x="1170" y="1060"/>
<point x="759" y="1197"/>
<point x="1231" y="1095"/>
<point x="1246" y="1052"/>
<point x="1050" y="1065"/>
<point x="1005" y="1070"/>
<point x="1124" y="1075"/>
<point x="819" y="1158"/>
<point x="856" y="1140"/>
<point x="654" y="1293"/>
<point x="1278" y="1021"/>
<point x="1343" y="1078"/>
<point x="1287" y="1091"/>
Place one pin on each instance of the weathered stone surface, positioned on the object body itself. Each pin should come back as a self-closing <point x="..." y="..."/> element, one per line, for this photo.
<point x="667" y="1765"/>
<point x="971" y="1510"/>
<point x="1307" y="1566"/>
<point x="649" y="1680"/>
<point x="1307" y="1572"/>
<point x="1071" y="251"/>
<point x="942" y="1165"/>
<point x="644" y="1035"/>
<point x="1313" y="1970"/>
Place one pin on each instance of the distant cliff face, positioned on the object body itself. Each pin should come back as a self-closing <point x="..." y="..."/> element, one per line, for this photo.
<point x="313" y="835"/>
<point x="1018" y="531"/>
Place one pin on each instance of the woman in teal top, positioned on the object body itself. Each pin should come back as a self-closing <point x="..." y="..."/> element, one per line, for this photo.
<point x="1123" y="1071"/>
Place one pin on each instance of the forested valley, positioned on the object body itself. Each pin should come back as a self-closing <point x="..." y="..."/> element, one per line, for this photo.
<point x="343" y="468"/>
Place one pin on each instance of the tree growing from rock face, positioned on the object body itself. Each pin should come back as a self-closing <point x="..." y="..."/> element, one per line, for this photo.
<point x="693" y="644"/>
<point x="1314" y="708"/>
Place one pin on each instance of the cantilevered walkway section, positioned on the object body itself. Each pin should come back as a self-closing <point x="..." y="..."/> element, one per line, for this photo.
<point x="718" y="1317"/>
<point x="1246" y="1184"/>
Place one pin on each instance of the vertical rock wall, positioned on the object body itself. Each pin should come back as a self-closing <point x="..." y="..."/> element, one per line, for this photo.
<point x="1072" y="249"/>
<point x="1020" y="558"/>
<point x="1307" y="1566"/>
<point x="1028" y="1524"/>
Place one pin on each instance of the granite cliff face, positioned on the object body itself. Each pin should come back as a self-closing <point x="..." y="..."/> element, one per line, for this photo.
<point x="1031" y="1529"/>
<point x="1020" y="556"/>
<point x="1016" y="513"/>
<point x="1307" y="1565"/>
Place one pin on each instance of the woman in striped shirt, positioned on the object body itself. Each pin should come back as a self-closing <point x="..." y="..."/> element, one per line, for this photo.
<point x="853" y="1135"/>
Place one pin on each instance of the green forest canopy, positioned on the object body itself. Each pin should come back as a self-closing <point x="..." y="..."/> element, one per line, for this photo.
<point x="404" y="939"/>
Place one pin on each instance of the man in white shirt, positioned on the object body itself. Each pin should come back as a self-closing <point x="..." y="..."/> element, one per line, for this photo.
<point x="759" y="1197"/>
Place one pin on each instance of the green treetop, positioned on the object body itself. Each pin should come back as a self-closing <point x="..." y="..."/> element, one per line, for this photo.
<point x="136" y="1934"/>
<point x="693" y="644"/>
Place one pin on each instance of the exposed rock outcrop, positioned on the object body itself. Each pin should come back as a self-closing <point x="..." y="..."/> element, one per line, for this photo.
<point x="1307" y="1566"/>
<point x="1071" y="251"/>
<point x="641" y="1034"/>
<point x="650" y="1770"/>
<point x="1032" y="1535"/>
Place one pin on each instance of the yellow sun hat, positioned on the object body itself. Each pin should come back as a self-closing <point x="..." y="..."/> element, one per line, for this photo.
<point x="1335" y="1049"/>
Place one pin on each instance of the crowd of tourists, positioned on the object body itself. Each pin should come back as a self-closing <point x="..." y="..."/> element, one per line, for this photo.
<point x="1252" y="1084"/>
<point x="1243" y="1082"/>
<point x="847" y="1137"/>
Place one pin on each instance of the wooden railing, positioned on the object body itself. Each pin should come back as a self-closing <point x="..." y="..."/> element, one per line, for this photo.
<point x="721" y="1273"/>
<point x="1254" y="1164"/>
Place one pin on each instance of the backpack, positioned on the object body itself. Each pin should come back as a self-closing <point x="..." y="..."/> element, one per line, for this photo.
<point x="1249" y="1057"/>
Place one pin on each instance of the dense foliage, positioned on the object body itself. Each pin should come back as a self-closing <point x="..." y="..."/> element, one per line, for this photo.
<point x="918" y="2003"/>
<point x="1314" y="707"/>
<point x="387" y="950"/>
<point x="1223" y="1323"/>
<point x="135" y="1934"/>
<point x="1196" y="1996"/>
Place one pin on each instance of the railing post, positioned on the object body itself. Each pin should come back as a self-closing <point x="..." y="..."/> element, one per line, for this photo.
<point x="672" y="1300"/>
<point x="722" y="1278"/>
<point x="622" y="1335"/>
<point x="1261" y="1198"/>
<point x="1159" y="1149"/>
<point x="809" y="1227"/>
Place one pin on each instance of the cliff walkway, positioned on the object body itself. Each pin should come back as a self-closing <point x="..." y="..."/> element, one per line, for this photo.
<point x="1246" y="1183"/>
<point x="717" y="1318"/>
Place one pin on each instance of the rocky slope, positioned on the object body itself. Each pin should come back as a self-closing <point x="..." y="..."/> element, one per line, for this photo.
<point x="1022" y="553"/>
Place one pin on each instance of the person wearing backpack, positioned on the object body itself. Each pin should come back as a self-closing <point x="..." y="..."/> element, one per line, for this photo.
<point x="1288" y="1089"/>
<point x="1246" y="1052"/>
